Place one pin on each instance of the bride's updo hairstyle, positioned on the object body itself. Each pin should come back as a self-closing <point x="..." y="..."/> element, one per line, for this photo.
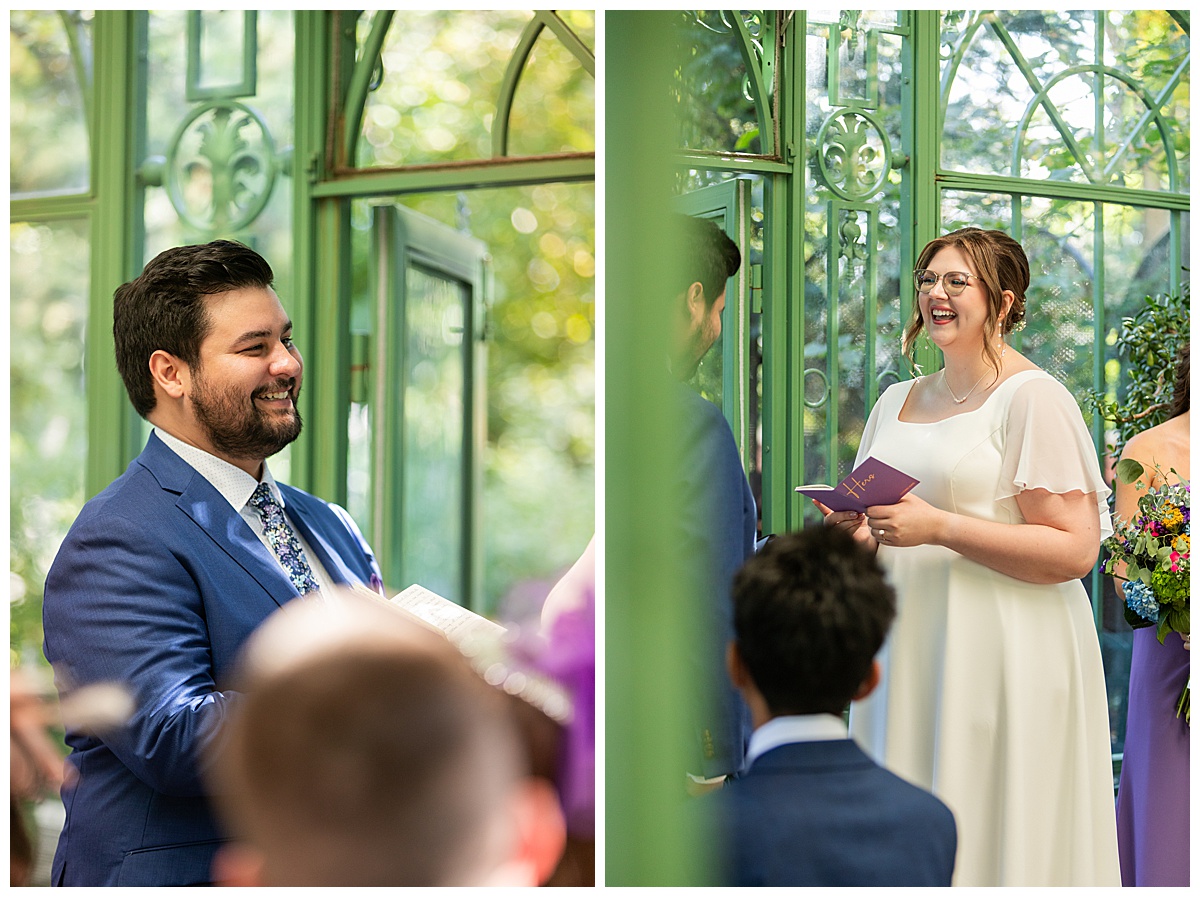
<point x="999" y="261"/>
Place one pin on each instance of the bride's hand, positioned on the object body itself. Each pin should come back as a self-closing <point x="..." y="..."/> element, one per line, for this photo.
<point x="852" y="522"/>
<point x="910" y="521"/>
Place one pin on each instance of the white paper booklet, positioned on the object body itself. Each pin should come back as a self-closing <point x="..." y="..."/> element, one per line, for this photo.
<point x="456" y="622"/>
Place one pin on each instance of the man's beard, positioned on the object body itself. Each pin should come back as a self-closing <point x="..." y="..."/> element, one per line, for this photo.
<point x="241" y="431"/>
<point x="695" y="347"/>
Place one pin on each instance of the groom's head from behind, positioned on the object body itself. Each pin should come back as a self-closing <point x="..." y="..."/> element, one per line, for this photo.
<point x="810" y="612"/>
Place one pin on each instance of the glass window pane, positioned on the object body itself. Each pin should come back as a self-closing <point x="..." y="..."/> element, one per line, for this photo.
<point x="442" y="76"/>
<point x="1151" y="47"/>
<point x="48" y="282"/>
<point x="220" y="161"/>
<point x="1058" y="237"/>
<point x="1031" y="97"/>
<point x="716" y="109"/>
<point x="48" y="136"/>
<point x="432" y="452"/>
<point x="554" y="110"/>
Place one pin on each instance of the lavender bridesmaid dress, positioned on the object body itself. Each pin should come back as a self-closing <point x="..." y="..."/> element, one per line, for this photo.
<point x="1152" y="798"/>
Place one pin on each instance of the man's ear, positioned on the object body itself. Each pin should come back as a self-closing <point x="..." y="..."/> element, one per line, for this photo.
<point x="738" y="674"/>
<point x="237" y="865"/>
<point x="540" y="835"/>
<point x="868" y="684"/>
<point x="170" y="374"/>
<point x="694" y="301"/>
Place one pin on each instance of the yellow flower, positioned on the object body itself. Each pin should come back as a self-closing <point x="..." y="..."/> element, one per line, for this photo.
<point x="1172" y="518"/>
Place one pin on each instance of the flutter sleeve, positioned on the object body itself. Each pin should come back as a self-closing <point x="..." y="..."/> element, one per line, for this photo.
<point x="1047" y="446"/>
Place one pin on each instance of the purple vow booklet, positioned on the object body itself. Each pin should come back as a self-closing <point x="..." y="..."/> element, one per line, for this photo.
<point x="872" y="483"/>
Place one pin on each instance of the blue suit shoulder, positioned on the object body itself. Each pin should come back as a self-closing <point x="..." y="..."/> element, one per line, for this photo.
<point x="825" y="814"/>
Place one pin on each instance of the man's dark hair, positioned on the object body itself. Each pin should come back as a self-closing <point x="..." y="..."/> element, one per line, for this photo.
<point x="810" y="612"/>
<point x="164" y="308"/>
<point x="710" y="257"/>
<point x="375" y="764"/>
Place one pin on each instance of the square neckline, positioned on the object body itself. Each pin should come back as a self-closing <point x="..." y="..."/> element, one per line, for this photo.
<point x="925" y="423"/>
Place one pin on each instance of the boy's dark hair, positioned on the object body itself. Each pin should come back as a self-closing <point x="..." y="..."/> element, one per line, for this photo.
<point x="710" y="257"/>
<point x="810" y="612"/>
<point x="164" y="308"/>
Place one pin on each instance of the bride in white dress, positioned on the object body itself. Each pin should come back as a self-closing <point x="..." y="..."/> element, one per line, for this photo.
<point x="993" y="690"/>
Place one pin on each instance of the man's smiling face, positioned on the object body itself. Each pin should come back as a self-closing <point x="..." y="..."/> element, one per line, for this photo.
<point x="246" y="382"/>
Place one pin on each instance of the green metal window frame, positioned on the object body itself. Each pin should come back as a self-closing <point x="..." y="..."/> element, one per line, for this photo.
<point x="324" y="189"/>
<point x="321" y="197"/>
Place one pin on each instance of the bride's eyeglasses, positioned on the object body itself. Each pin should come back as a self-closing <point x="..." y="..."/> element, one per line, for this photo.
<point x="953" y="282"/>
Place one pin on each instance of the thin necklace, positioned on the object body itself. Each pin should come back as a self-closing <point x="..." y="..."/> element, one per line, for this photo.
<point x="957" y="400"/>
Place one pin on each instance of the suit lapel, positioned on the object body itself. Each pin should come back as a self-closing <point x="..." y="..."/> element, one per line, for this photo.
<point x="216" y="518"/>
<point x="330" y="559"/>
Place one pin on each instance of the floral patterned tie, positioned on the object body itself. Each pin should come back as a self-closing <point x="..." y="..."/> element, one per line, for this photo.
<point x="283" y="541"/>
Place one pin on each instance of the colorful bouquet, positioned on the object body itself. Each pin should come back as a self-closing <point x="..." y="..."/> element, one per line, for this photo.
<point x="1155" y="548"/>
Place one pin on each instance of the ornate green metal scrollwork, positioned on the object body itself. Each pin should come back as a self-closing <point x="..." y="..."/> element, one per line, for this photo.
<point x="854" y="154"/>
<point x="221" y="167"/>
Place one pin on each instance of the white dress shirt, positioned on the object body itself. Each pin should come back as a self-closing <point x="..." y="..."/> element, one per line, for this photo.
<point x="790" y="729"/>
<point x="236" y="486"/>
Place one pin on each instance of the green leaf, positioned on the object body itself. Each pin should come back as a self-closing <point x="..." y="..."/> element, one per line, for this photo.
<point x="1134" y="621"/>
<point x="1129" y="471"/>
<point x="1164" y="626"/>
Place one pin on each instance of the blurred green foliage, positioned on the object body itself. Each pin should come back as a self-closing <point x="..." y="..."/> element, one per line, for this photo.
<point x="47" y="411"/>
<point x="1149" y="344"/>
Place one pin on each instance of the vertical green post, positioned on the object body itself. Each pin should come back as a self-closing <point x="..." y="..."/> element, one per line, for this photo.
<point x="783" y="299"/>
<point x="920" y="130"/>
<point x="115" y="232"/>
<point x="1098" y="332"/>
<point x="645" y="616"/>
<point x="321" y="272"/>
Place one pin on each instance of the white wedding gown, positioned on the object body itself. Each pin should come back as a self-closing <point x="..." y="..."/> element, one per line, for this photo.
<point x="993" y="692"/>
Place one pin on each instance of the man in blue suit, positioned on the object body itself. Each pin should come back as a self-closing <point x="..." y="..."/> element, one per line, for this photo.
<point x="718" y="519"/>
<point x="811" y="610"/>
<point x="166" y="572"/>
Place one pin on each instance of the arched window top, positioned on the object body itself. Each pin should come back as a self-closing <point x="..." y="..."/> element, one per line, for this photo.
<point x="1096" y="97"/>
<point x="439" y="86"/>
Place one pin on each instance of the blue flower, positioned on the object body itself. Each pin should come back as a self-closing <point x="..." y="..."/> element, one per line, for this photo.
<point x="1140" y="597"/>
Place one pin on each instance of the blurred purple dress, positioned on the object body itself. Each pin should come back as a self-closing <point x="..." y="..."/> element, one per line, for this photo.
<point x="1152" y="798"/>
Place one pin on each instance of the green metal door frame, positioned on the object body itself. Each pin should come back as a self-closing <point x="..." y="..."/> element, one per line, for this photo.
<point x="727" y="205"/>
<point x="405" y="240"/>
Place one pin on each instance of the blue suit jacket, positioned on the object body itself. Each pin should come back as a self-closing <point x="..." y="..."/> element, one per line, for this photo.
<point x="823" y="813"/>
<point x="719" y="523"/>
<point x="156" y="586"/>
